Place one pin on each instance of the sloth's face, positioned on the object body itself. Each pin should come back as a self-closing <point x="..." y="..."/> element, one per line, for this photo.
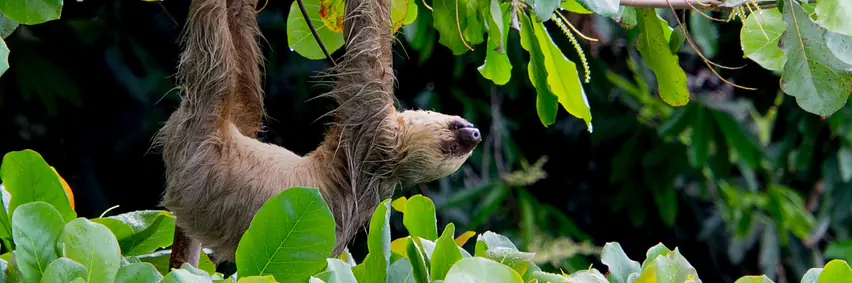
<point x="434" y="145"/>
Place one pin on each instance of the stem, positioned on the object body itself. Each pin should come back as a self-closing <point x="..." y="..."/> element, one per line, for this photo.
<point x="710" y="5"/>
<point x="314" y="31"/>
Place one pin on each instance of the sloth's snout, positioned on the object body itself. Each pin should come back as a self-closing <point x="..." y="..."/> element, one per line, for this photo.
<point x="469" y="137"/>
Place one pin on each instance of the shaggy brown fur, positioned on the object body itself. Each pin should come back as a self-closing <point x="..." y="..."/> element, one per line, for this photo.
<point x="219" y="174"/>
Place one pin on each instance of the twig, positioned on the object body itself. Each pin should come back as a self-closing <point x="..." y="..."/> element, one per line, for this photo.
<point x="314" y="31"/>
<point x="710" y="5"/>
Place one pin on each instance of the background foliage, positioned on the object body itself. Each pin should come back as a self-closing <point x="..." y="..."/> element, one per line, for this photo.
<point x="743" y="181"/>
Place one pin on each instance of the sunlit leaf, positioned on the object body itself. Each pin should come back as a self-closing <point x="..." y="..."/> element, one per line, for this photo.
<point x="399" y="12"/>
<point x="299" y="36"/>
<point x="840" y="45"/>
<point x="295" y="219"/>
<point x="620" y="266"/>
<point x="543" y="9"/>
<point x="462" y="239"/>
<point x="449" y="19"/>
<point x="820" y="82"/>
<point x="755" y="44"/>
<point x="31" y="12"/>
<point x="419" y="268"/>
<point x="92" y="245"/>
<point x="654" y="47"/>
<point x="340" y="272"/>
<point x="446" y="254"/>
<point x="35" y="227"/>
<point x="834" y="15"/>
<point x="754" y="279"/>
<point x="375" y="265"/>
<point x="478" y="270"/>
<point x="399" y="204"/>
<point x="574" y="6"/>
<point x="331" y="13"/>
<point x="28" y="178"/>
<point x="419" y="218"/>
<point x="63" y="270"/>
<point x="519" y="261"/>
<point x="497" y="67"/>
<point x="606" y="8"/>
<point x="835" y="271"/>
<point x="138" y="272"/>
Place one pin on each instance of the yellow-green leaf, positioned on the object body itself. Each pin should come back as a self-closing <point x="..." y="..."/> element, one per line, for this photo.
<point x="761" y="45"/>
<point x="299" y="36"/>
<point x="654" y="47"/>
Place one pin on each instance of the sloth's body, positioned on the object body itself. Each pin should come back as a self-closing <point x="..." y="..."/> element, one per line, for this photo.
<point x="219" y="174"/>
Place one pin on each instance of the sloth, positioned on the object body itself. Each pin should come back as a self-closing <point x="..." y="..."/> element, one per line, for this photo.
<point x="219" y="174"/>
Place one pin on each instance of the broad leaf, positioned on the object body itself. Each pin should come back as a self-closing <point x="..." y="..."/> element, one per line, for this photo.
<point x="754" y="279"/>
<point x="297" y="219"/>
<point x="835" y="271"/>
<point x="546" y="102"/>
<point x="497" y="67"/>
<point x="840" y="45"/>
<point x="761" y="45"/>
<point x="574" y="6"/>
<point x="299" y="36"/>
<point x="141" y="232"/>
<point x="820" y="81"/>
<point x="446" y="254"/>
<point x="592" y="276"/>
<point x="654" y="47"/>
<point x="519" y="261"/>
<point x="31" y="12"/>
<point x="160" y="260"/>
<point x="418" y="263"/>
<point x="375" y="265"/>
<point x="28" y="178"/>
<point x="657" y="250"/>
<point x="4" y="57"/>
<point x="259" y="279"/>
<point x="812" y="275"/>
<point x="63" y="270"/>
<point x="340" y="272"/>
<point x="450" y="20"/>
<point x="139" y="272"/>
<point x="494" y="240"/>
<point x="184" y="276"/>
<point x="400" y="271"/>
<point x="399" y="12"/>
<point x="478" y="270"/>
<point x="419" y="218"/>
<point x="92" y="245"/>
<point x="543" y="9"/>
<point x="562" y="77"/>
<point x="7" y="26"/>
<point x="834" y="15"/>
<point x="606" y="8"/>
<point x="620" y="266"/>
<point x="35" y="227"/>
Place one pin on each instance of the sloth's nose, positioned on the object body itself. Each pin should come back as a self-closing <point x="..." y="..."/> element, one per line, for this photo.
<point x="469" y="137"/>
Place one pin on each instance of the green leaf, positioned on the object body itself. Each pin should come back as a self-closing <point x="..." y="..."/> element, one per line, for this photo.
<point x="400" y="271"/>
<point x="620" y="266"/>
<point x="519" y="261"/>
<point x="676" y="40"/>
<point x="417" y="261"/>
<point x="834" y="15"/>
<point x="497" y="67"/>
<point x="258" y="279"/>
<point x="185" y="276"/>
<point x="840" y="45"/>
<point x="31" y="12"/>
<point x="545" y="103"/>
<point x="820" y="81"/>
<point x="141" y="232"/>
<point x="446" y="254"/>
<point x="606" y="8"/>
<point x="494" y="240"/>
<point x="449" y="25"/>
<point x="478" y="270"/>
<point x="4" y="57"/>
<point x="590" y="276"/>
<point x="138" y="272"/>
<point x="811" y="275"/>
<point x="7" y="26"/>
<point x="657" y="250"/>
<point x="627" y="17"/>
<point x="701" y="134"/>
<point x="341" y="272"/>
<point x="160" y="260"/>
<point x="28" y="178"/>
<point x="400" y="13"/>
<point x="835" y="271"/>
<point x="412" y="12"/>
<point x="574" y="6"/>
<point x="35" y="227"/>
<point x="92" y="245"/>
<point x="375" y="265"/>
<point x="297" y="219"/>
<point x="562" y="77"/>
<point x="543" y="9"/>
<point x="761" y="45"/>
<point x="653" y="46"/>
<point x="754" y="279"/>
<point x="63" y="270"/>
<point x="839" y="250"/>
<point x="419" y="218"/>
<point x="299" y="36"/>
<point x="704" y="32"/>
<point x="672" y="267"/>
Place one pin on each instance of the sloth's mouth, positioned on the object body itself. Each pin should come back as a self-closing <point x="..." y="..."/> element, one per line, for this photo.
<point x="467" y="137"/>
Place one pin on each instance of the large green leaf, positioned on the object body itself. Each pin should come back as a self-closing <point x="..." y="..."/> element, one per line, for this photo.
<point x="139" y="272"/>
<point x="339" y="271"/>
<point x="654" y="47"/>
<point x="620" y="266"/>
<point x="374" y="268"/>
<point x="151" y="230"/>
<point x="400" y="271"/>
<point x="761" y="45"/>
<point x="28" y="178"/>
<point x="543" y="9"/>
<point x="546" y="102"/>
<point x="63" y="270"/>
<point x="31" y="12"/>
<point x="606" y="8"/>
<point x="299" y="36"/>
<point x="820" y="81"/>
<point x="92" y="245"/>
<point x="812" y="275"/>
<point x="449" y="17"/>
<point x="446" y="254"/>
<point x="419" y="218"/>
<point x="497" y="67"/>
<point x="35" y="227"/>
<point x="478" y="270"/>
<point x="835" y="271"/>
<point x="494" y="240"/>
<point x="562" y="77"/>
<point x="296" y="219"/>
<point x="834" y="15"/>
<point x="517" y="260"/>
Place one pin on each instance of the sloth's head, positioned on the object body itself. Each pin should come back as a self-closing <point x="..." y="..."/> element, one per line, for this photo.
<point x="433" y="145"/>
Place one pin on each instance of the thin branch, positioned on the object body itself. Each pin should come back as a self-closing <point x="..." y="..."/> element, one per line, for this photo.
<point x="314" y="31"/>
<point x="710" y="5"/>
